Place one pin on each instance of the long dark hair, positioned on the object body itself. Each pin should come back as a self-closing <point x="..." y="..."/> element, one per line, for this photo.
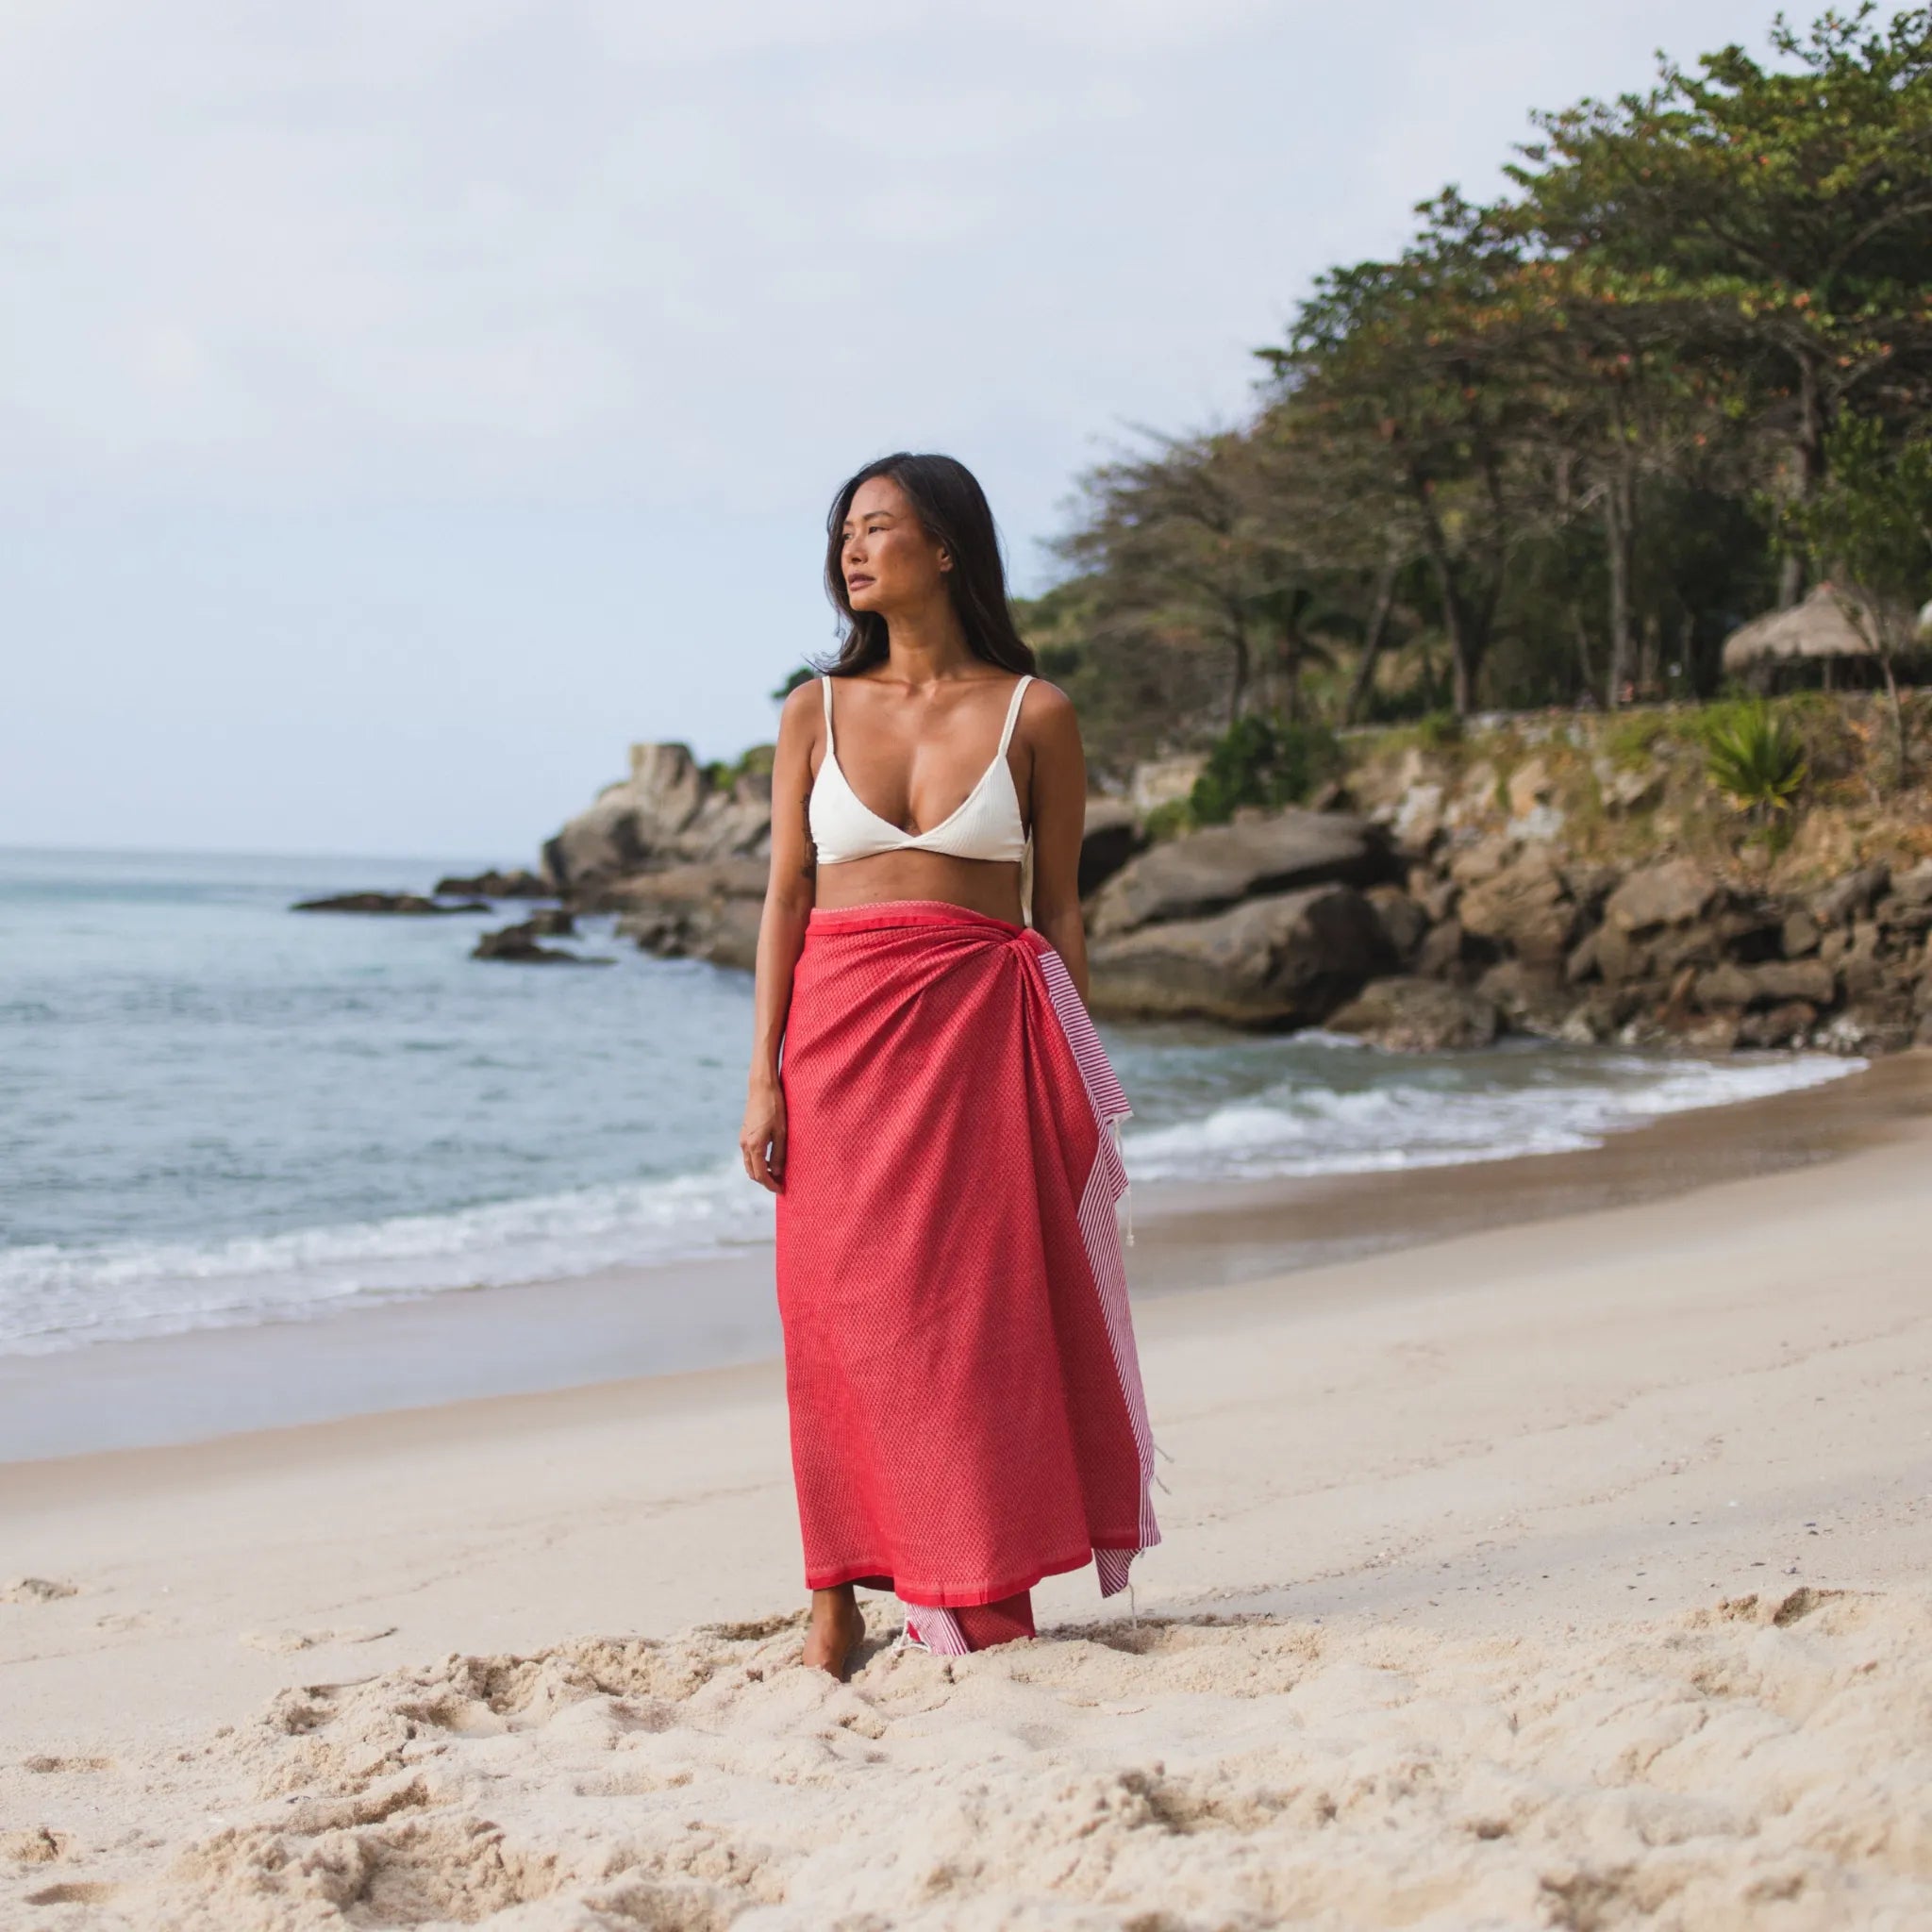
<point x="952" y="509"/>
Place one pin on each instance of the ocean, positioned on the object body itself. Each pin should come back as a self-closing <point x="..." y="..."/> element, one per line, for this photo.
<point x="216" y="1113"/>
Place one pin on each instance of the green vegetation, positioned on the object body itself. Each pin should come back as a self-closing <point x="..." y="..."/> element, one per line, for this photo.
<point x="1871" y="520"/>
<point x="1262" y="761"/>
<point x="1754" y="758"/>
<point x="755" y="762"/>
<point x="1170" y="820"/>
<point x="1555" y="449"/>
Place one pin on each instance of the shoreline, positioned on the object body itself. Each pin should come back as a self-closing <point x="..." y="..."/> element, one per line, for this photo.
<point x="1584" y="1542"/>
<point x="676" y="1317"/>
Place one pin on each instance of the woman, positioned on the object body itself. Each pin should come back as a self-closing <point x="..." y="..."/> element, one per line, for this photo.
<point x="966" y="1406"/>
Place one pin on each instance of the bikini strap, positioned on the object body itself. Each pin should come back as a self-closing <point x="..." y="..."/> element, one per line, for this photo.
<point x="825" y="685"/>
<point x="1012" y="715"/>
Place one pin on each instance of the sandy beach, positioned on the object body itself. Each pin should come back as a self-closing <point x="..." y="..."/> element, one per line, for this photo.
<point x="1568" y="1566"/>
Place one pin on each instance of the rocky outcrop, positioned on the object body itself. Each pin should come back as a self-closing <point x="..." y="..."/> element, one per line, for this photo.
<point x="405" y="905"/>
<point x="1492" y="932"/>
<point x="1524" y="906"/>
<point x="516" y="884"/>
<point x="1409" y="1015"/>
<point x="1672" y="893"/>
<point x="1405" y="923"/>
<point x="523" y="944"/>
<point x="1114" y="834"/>
<point x="695" y="911"/>
<point x="1458" y="889"/>
<point x="1287" y="959"/>
<point x="667" y="811"/>
<point x="1671" y="954"/>
<point x="1207" y="871"/>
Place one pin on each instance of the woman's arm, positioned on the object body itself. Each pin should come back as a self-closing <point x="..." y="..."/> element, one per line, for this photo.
<point x="1059" y="820"/>
<point x="789" y="896"/>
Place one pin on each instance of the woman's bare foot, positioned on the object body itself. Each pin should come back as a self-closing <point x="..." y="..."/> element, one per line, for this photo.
<point x="837" y="1625"/>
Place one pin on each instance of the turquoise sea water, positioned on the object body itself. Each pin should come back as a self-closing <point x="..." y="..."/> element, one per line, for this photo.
<point x="214" y="1111"/>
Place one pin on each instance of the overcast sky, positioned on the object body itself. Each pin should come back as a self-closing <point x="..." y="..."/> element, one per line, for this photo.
<point x="404" y="405"/>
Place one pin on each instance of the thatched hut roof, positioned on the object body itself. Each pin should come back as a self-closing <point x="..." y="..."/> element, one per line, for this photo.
<point x="1821" y="627"/>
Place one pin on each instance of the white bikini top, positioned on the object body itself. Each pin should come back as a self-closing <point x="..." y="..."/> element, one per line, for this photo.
<point x="985" y="825"/>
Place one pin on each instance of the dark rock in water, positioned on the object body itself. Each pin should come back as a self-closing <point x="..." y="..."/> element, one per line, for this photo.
<point x="1286" y="960"/>
<point x="723" y="932"/>
<point x="409" y="905"/>
<point x="1782" y="1025"/>
<point x="1418" y="1016"/>
<point x="1203" y="874"/>
<point x="1532" y="998"/>
<point x="553" y="923"/>
<point x="1874" y="1025"/>
<point x="1713" y="1033"/>
<point x="519" y="944"/>
<point x="1594" y="1020"/>
<point x="1113" y="837"/>
<point x="708" y="912"/>
<point x="497" y="885"/>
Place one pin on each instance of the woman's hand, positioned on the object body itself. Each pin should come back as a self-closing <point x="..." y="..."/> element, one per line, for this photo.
<point x="762" y="1140"/>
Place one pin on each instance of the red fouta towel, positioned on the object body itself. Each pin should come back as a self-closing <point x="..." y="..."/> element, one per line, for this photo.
<point x="967" y="1414"/>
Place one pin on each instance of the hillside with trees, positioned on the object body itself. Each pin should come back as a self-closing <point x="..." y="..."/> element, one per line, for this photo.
<point x="1559" y="447"/>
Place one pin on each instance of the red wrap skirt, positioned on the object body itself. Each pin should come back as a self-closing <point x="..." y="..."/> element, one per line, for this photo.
<point x="966" y="1407"/>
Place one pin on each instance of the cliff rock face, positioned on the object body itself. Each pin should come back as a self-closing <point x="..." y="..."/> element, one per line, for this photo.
<point x="1286" y="959"/>
<point x="1407" y="1015"/>
<point x="708" y="911"/>
<point x="1541" y="876"/>
<point x="665" y="812"/>
<point x="683" y="859"/>
<point x="1213" y="869"/>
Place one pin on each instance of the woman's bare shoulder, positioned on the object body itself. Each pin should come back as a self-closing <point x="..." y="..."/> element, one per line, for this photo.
<point x="802" y="708"/>
<point x="1046" y="708"/>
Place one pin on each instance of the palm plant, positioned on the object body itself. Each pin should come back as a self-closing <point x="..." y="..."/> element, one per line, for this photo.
<point x="1755" y="759"/>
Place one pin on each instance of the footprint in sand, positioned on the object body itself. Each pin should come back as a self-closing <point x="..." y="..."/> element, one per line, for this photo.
<point x="74" y="1892"/>
<point x="283" y="1642"/>
<point x="37" y="1590"/>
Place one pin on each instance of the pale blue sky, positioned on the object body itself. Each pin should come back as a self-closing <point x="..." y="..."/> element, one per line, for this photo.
<point x="404" y="407"/>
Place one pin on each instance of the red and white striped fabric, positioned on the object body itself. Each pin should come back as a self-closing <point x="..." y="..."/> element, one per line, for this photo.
<point x="967" y="1414"/>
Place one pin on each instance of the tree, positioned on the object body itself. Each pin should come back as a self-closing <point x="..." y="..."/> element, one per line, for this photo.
<point x="1783" y="213"/>
<point x="1613" y="405"/>
<point x="1177" y="540"/>
<point x="1871" y="521"/>
<point x="1396" y="354"/>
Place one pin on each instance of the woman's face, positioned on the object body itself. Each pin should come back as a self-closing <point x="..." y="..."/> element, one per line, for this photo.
<point x="889" y="562"/>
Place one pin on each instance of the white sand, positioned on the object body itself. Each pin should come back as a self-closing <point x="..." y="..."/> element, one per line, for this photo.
<point x="1498" y="1592"/>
